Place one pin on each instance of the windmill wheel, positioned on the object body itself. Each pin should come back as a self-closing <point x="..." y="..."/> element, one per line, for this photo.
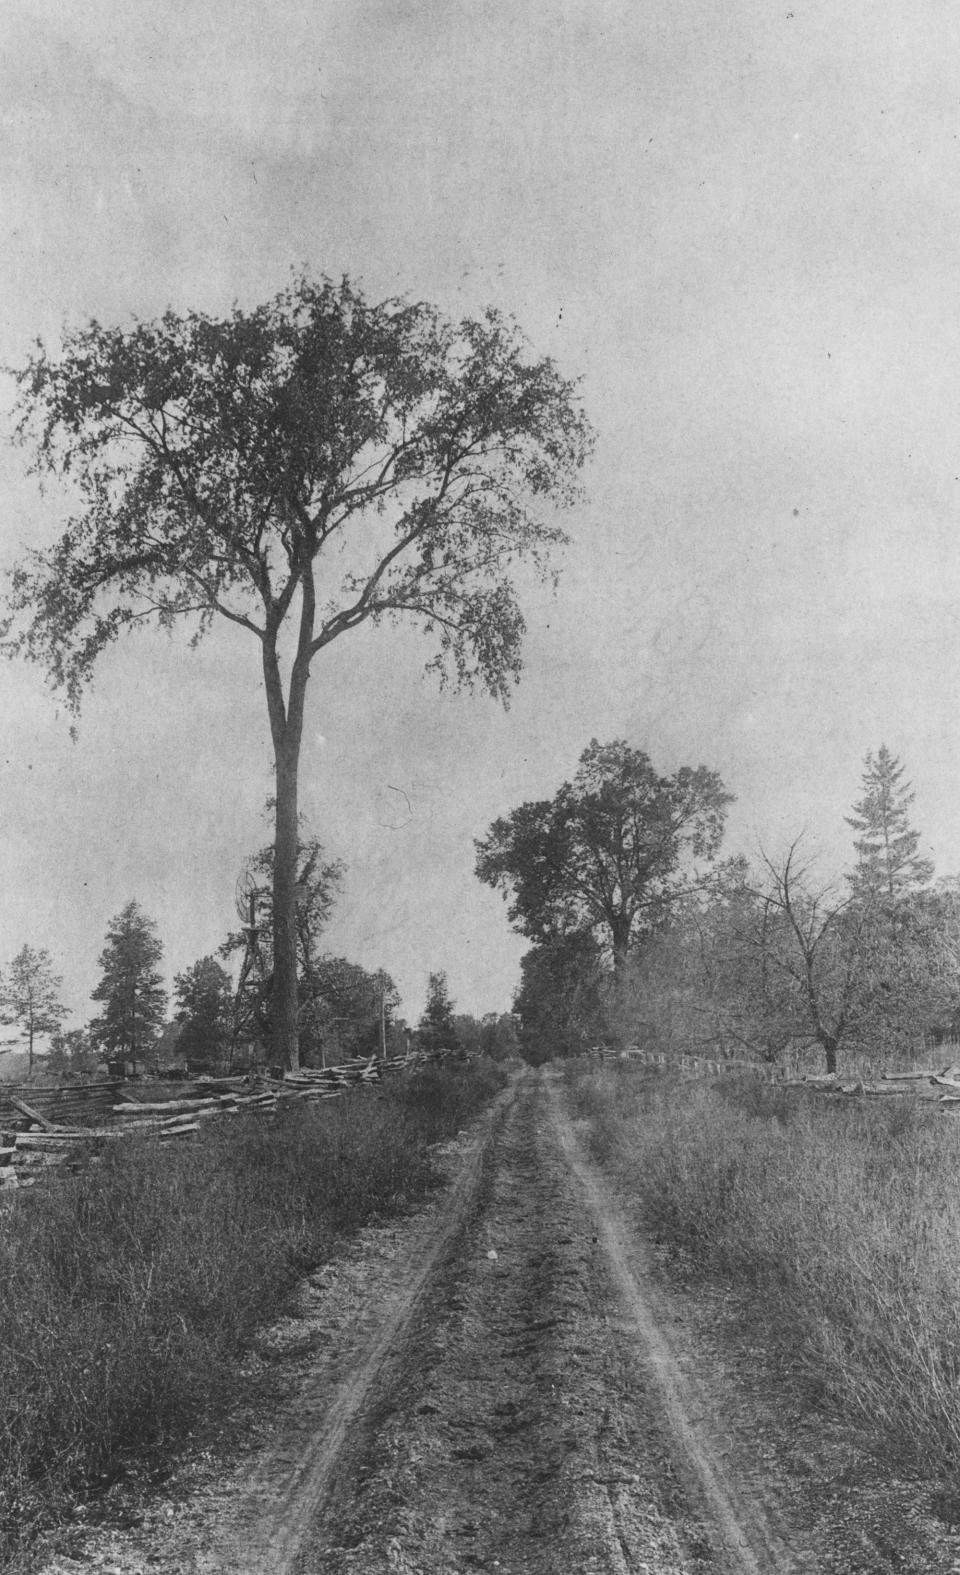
<point x="247" y="894"/>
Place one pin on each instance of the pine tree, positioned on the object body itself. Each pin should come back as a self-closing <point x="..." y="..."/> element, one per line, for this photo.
<point x="888" y="866"/>
<point x="436" y="1028"/>
<point x="131" y="988"/>
<point x="29" y="997"/>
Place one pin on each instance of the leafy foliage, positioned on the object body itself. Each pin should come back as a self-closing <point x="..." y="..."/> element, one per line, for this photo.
<point x="609" y="853"/>
<point x="318" y="883"/>
<point x="777" y="960"/>
<point x="29" y="997"/>
<point x="317" y="460"/>
<point x="493" y="1035"/>
<point x="560" y="1001"/>
<point x="204" y="995"/>
<point x="72" y="1054"/>
<point x="437" y="1028"/>
<point x="345" y="1007"/>
<point x="339" y="1002"/>
<point x="216" y="459"/>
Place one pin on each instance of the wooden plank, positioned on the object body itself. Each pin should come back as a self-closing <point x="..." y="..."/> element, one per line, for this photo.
<point x="61" y="1142"/>
<point x="34" y="1115"/>
<point x="165" y="1107"/>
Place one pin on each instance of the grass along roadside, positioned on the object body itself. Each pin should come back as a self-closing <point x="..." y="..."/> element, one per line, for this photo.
<point x="838" y="1223"/>
<point x="128" y="1292"/>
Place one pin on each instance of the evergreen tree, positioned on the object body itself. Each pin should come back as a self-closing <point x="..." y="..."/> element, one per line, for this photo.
<point x="888" y="866"/>
<point x="134" y="1000"/>
<point x="29" y="997"/>
<point x="437" y="1028"/>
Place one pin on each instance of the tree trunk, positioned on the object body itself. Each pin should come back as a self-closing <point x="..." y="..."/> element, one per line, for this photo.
<point x="286" y="729"/>
<point x="619" y="1031"/>
<point x="286" y="1041"/>
<point x="830" y="1045"/>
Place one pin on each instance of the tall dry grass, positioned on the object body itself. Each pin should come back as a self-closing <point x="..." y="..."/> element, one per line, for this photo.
<point x="128" y="1292"/>
<point x="840" y="1219"/>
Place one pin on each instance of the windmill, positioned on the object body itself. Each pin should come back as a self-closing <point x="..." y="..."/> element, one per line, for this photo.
<point x="254" y="982"/>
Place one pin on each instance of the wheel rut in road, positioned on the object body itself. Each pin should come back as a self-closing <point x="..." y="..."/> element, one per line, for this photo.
<point x="537" y="1422"/>
<point x="278" y="1498"/>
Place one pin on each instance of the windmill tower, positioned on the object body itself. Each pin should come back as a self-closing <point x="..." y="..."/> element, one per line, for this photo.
<point x="254" y="982"/>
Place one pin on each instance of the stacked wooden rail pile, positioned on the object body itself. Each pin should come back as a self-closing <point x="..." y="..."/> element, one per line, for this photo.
<point x="328" y="1082"/>
<point x="331" y="1081"/>
<point x="938" y="1087"/>
<point x="32" y="1140"/>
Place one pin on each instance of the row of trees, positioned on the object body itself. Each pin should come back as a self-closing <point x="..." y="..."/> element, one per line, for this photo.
<point x="130" y="991"/>
<point x="320" y="462"/>
<point x="345" y="1008"/>
<point x="640" y="930"/>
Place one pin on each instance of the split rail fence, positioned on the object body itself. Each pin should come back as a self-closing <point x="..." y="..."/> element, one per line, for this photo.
<point x="45" y="1128"/>
<point x="938" y="1086"/>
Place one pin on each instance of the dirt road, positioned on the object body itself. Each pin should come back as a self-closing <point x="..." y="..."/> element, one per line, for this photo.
<point x="506" y="1383"/>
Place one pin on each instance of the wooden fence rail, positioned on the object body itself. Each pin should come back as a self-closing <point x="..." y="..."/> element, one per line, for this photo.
<point x="42" y="1128"/>
<point x="937" y="1086"/>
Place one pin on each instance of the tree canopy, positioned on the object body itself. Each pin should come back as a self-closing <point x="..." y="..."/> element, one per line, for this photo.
<point x="348" y="1010"/>
<point x="437" y="1028"/>
<point x="316" y="461"/>
<point x="560" y="999"/>
<point x="204" y="995"/>
<point x="609" y="852"/>
<point x="29" y="997"/>
<point x="131" y="987"/>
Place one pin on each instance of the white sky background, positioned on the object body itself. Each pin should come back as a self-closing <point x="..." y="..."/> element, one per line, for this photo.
<point x="739" y="223"/>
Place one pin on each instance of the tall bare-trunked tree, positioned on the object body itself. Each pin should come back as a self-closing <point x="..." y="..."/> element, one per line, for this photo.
<point x="314" y="463"/>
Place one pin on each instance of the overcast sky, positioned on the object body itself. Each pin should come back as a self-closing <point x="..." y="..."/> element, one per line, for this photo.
<point x="740" y="224"/>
